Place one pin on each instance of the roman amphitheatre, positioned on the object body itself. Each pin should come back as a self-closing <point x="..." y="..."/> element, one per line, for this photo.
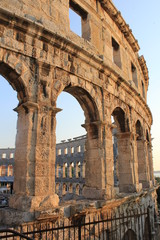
<point x="41" y="57"/>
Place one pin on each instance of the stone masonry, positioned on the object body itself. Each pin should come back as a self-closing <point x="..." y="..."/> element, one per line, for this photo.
<point x="41" y="57"/>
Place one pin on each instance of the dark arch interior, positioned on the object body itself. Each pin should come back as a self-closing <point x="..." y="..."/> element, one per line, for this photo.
<point x="139" y="130"/>
<point x="130" y="235"/>
<point x="119" y="117"/>
<point x="147" y="136"/>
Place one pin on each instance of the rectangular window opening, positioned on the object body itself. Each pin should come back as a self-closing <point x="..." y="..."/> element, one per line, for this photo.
<point x="143" y="90"/>
<point x="4" y="155"/>
<point x="72" y="149"/>
<point x="79" y="22"/>
<point x="134" y="74"/>
<point x="66" y="151"/>
<point x="116" y="53"/>
<point x="79" y="149"/>
<point x="11" y="155"/>
<point x="59" y="152"/>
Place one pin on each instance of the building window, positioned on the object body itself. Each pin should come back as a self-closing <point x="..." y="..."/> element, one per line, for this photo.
<point x="11" y="155"/>
<point x="10" y="170"/>
<point x="143" y="90"/>
<point x="79" y="22"/>
<point x="3" y="171"/>
<point x="59" y="152"/>
<point x="71" y="188"/>
<point x="79" y="149"/>
<point x="66" y="151"/>
<point x="65" y="170"/>
<point x="4" y="155"/>
<point x="59" y="171"/>
<point x="116" y="53"/>
<point x="78" y="170"/>
<point x="134" y="74"/>
<point x="71" y="170"/>
<point x="72" y="149"/>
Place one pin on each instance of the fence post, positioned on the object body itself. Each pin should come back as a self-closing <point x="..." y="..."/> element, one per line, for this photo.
<point x="79" y="230"/>
<point x="149" y="224"/>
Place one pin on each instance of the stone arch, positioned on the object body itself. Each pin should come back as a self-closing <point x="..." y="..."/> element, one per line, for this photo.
<point x="124" y="157"/>
<point x="119" y="117"/>
<point x="88" y="99"/>
<point x="139" y="130"/>
<point x="15" y="71"/>
<point x="85" y="100"/>
<point x="141" y="155"/>
<point x="130" y="235"/>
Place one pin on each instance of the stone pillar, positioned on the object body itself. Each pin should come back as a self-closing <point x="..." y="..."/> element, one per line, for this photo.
<point x="142" y="163"/>
<point x="127" y="164"/>
<point x="34" y="185"/>
<point x="83" y="169"/>
<point x="108" y="160"/>
<point x="76" y="170"/>
<point x="150" y="162"/>
<point x="70" y="170"/>
<point x="94" y="170"/>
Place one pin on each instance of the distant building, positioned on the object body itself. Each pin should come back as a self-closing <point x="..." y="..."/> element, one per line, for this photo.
<point x="69" y="167"/>
<point x="7" y="167"/>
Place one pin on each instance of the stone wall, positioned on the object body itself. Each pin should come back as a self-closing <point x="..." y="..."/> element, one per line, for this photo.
<point x="41" y="57"/>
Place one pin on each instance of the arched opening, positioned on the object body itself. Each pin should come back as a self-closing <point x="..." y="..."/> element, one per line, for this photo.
<point x="25" y="171"/>
<point x="71" y="170"/>
<point x="8" y="122"/>
<point x="8" y="101"/>
<point x="90" y="118"/>
<point x="78" y="170"/>
<point x="65" y="170"/>
<point x="71" y="188"/>
<point x="129" y="235"/>
<point x="115" y="153"/>
<point x="123" y="152"/>
<point x="70" y="119"/>
<point x="77" y="189"/>
<point x="64" y="189"/>
<point x="141" y="156"/>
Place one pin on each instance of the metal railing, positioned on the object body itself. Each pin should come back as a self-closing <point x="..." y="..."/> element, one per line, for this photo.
<point x="9" y="233"/>
<point x="108" y="226"/>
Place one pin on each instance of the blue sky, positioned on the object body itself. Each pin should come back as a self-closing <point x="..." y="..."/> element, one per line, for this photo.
<point x="144" y="20"/>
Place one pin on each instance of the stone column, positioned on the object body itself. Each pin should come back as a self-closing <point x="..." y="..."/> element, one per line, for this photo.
<point x="127" y="163"/>
<point x="142" y="163"/>
<point x="94" y="170"/>
<point x="34" y="185"/>
<point x="150" y="162"/>
<point x="108" y="160"/>
<point x="83" y="169"/>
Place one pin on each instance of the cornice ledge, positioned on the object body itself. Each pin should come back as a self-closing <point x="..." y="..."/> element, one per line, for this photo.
<point x="144" y="68"/>
<point x="120" y="22"/>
